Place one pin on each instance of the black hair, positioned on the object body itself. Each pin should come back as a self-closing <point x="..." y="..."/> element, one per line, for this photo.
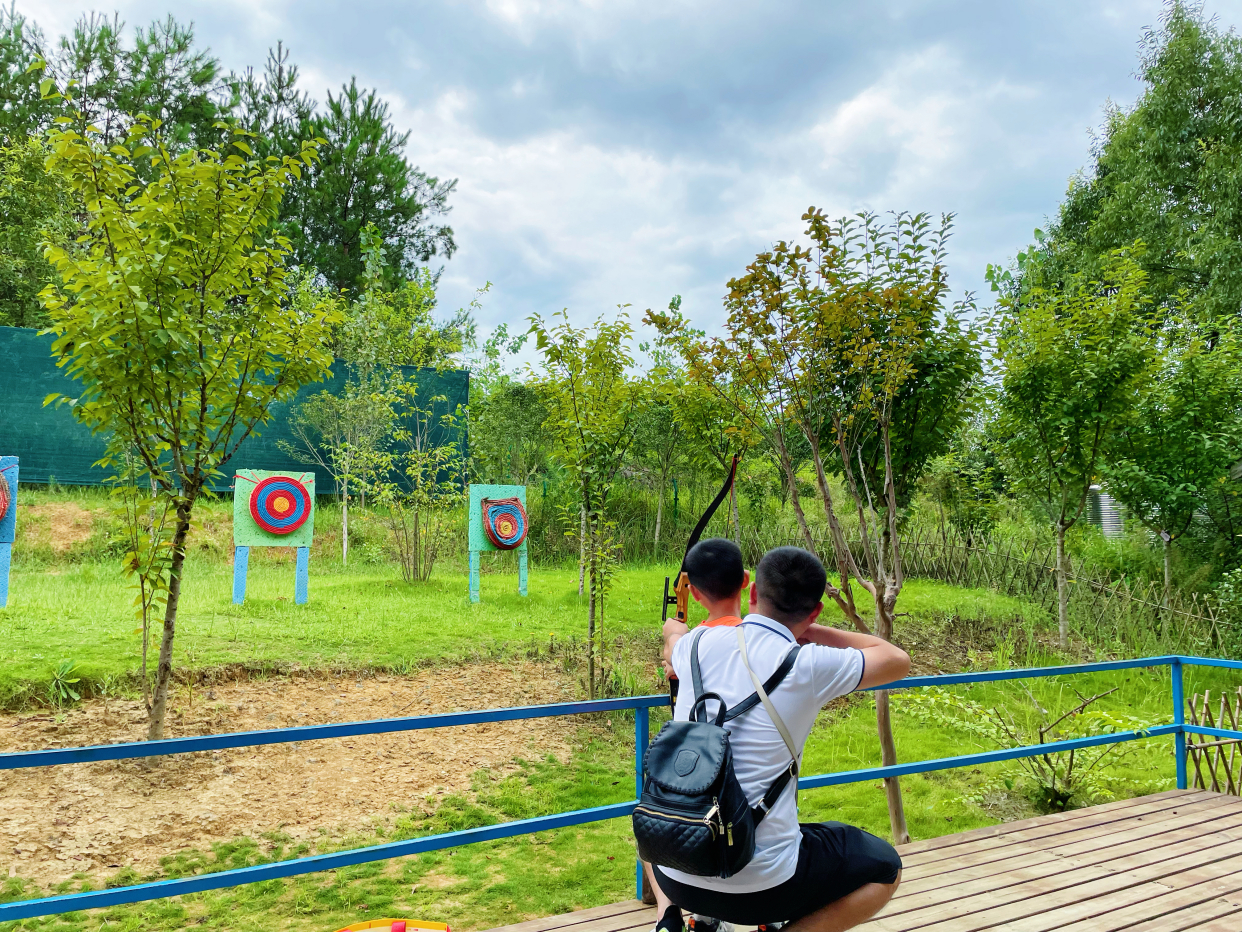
<point x="792" y="581"/>
<point x="715" y="567"/>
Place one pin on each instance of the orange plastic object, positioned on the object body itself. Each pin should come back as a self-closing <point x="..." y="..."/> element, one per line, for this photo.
<point x="396" y="925"/>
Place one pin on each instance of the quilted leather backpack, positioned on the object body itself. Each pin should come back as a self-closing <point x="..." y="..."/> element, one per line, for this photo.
<point x="693" y="815"/>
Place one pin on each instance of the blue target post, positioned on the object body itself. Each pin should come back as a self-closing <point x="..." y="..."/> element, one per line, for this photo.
<point x="8" y="522"/>
<point x="241" y="563"/>
<point x="479" y="540"/>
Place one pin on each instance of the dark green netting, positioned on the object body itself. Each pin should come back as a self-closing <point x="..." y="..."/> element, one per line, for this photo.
<point x="51" y="444"/>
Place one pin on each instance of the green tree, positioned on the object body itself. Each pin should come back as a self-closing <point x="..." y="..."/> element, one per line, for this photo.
<point x="1073" y="364"/>
<point x="1172" y="461"/>
<point x="177" y="318"/>
<point x="967" y="482"/>
<point x="161" y="75"/>
<point x="1167" y="172"/>
<point x="933" y="402"/>
<point x="593" y="408"/>
<point x="419" y="479"/>
<point x="659" y="440"/>
<point x="24" y="110"/>
<point x="509" y="438"/>
<point x="713" y="431"/>
<point x="824" y="340"/>
<point x="363" y="179"/>
<point x="392" y="322"/>
<point x="35" y="207"/>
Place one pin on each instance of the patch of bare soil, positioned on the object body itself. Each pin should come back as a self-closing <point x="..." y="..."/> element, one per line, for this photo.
<point x="96" y="818"/>
<point x="58" y="525"/>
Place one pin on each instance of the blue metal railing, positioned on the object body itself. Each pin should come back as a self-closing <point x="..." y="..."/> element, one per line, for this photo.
<point x="641" y="705"/>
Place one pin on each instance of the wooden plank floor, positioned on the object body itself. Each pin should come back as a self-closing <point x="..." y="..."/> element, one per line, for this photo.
<point x="1161" y="863"/>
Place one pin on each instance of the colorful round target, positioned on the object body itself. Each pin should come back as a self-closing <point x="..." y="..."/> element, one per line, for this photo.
<point x="504" y="522"/>
<point x="5" y="498"/>
<point x="280" y="504"/>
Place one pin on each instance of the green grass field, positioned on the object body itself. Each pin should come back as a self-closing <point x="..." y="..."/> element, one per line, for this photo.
<point x="357" y="617"/>
<point x="364" y="618"/>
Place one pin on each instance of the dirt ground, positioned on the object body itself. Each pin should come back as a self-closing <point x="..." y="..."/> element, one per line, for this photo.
<point x="58" y="525"/>
<point x="97" y="818"/>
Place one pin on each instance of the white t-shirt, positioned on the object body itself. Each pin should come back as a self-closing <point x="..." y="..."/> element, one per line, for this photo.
<point x="819" y="675"/>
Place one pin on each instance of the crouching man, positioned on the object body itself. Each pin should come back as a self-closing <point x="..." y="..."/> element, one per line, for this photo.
<point x="821" y="877"/>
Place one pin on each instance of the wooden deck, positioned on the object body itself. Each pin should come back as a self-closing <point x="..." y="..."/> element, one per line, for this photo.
<point x="1160" y="863"/>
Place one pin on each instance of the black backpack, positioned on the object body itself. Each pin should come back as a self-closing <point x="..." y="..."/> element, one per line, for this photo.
<point x="693" y="815"/>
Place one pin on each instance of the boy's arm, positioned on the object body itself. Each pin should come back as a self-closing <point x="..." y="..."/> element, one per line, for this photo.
<point x="883" y="662"/>
<point x="674" y="631"/>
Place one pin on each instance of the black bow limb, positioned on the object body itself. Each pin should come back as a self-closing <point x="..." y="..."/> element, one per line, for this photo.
<point x="680" y="595"/>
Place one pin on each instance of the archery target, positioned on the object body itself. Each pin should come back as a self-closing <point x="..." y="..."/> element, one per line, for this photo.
<point x="5" y="499"/>
<point x="504" y="522"/>
<point x="280" y="504"/>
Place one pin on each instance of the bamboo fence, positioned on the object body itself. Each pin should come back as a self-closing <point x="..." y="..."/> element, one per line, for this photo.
<point x="1205" y="752"/>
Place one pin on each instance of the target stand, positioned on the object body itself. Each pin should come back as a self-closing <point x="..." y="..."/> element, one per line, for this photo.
<point x="272" y="509"/>
<point x="497" y="524"/>
<point x="8" y="521"/>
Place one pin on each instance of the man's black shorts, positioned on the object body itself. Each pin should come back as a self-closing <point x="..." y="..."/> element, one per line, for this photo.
<point x="833" y="860"/>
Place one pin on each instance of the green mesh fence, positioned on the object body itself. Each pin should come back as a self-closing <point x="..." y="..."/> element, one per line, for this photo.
<point x="51" y="444"/>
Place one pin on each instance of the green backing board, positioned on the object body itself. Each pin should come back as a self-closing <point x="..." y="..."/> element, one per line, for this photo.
<point x="478" y="540"/>
<point x="52" y="444"/>
<point x="248" y="534"/>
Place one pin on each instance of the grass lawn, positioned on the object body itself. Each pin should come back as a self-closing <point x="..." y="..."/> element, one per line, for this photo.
<point x="356" y="617"/>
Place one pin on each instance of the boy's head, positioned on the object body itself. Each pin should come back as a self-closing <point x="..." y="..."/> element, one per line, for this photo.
<point x="715" y="568"/>
<point x="789" y="584"/>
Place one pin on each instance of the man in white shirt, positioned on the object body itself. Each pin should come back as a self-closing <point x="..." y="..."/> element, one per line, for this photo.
<point x="814" y="877"/>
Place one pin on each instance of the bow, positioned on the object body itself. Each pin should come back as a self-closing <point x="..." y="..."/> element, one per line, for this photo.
<point x="680" y="595"/>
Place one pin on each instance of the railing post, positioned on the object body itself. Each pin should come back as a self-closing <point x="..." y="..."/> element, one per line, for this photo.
<point x="1179" y="719"/>
<point x="642" y="734"/>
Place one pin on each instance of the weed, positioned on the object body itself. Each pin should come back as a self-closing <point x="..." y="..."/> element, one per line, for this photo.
<point x="60" y="691"/>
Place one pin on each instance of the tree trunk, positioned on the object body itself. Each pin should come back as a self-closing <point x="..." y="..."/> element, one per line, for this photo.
<point x="884" y="726"/>
<point x="1062" y="589"/>
<point x="163" y="673"/>
<point x="792" y="482"/>
<point x="345" y="522"/>
<point x="591" y="557"/>
<point x="888" y="757"/>
<point x="737" y="524"/>
<point x="582" y="551"/>
<point x="655" y="547"/>
<point x="1168" y="570"/>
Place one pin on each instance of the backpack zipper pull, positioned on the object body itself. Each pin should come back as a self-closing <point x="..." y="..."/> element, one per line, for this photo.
<point x="730" y="831"/>
<point x="710" y="820"/>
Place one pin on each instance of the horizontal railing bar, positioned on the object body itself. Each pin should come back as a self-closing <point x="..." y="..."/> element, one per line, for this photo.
<point x="241" y="739"/>
<point x="1192" y="729"/>
<point x="1211" y="662"/>
<point x="126" y="751"/>
<point x="984" y="757"/>
<point x="1023" y="673"/>
<point x="93" y="899"/>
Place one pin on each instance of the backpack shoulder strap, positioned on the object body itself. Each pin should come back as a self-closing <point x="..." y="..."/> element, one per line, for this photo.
<point x="761" y="691"/>
<point x="768" y="685"/>
<point x="696" y="679"/>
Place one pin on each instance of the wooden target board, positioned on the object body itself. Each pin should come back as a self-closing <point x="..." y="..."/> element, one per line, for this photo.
<point x="507" y="526"/>
<point x="272" y="509"/>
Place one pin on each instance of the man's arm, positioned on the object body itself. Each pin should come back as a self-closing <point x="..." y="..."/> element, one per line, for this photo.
<point x="674" y="631"/>
<point x="883" y="662"/>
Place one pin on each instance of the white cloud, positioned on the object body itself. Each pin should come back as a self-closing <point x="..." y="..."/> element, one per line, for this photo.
<point x="613" y="151"/>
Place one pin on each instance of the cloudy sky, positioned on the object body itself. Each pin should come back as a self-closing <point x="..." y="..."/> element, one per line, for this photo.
<point x="612" y="152"/>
